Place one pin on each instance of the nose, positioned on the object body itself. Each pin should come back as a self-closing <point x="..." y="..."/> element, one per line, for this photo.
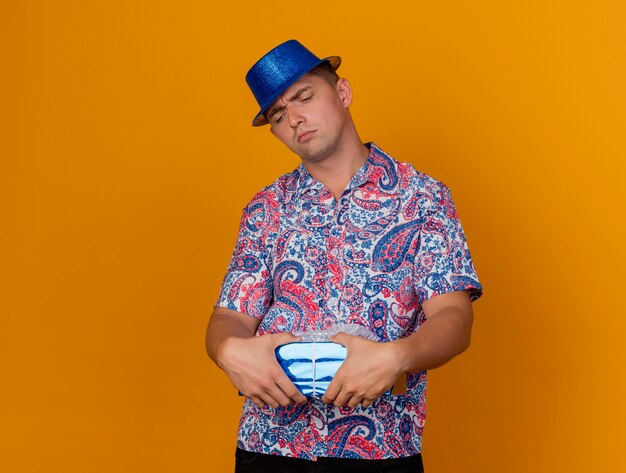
<point x="294" y="116"/>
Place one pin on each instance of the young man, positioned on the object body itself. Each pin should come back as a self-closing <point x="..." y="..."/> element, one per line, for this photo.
<point x="354" y="237"/>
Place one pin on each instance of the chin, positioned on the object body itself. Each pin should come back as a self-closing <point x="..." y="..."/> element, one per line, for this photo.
<point x="317" y="153"/>
<point x="315" y="158"/>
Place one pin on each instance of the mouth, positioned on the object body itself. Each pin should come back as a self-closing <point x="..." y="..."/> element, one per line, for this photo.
<point x="305" y="136"/>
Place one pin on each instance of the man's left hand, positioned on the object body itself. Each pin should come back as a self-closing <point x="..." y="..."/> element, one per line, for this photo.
<point x="369" y="370"/>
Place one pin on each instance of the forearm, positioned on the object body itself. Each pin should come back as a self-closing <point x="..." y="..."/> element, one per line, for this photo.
<point x="440" y="338"/>
<point x="224" y="325"/>
<point x="249" y="361"/>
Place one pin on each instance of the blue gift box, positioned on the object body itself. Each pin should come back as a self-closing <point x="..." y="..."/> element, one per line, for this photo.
<point x="311" y="366"/>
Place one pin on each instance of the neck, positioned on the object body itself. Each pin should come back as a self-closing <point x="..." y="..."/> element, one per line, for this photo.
<point x="336" y="171"/>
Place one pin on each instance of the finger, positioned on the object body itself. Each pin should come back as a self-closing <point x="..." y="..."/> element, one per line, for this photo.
<point x="278" y="397"/>
<point x="286" y="393"/>
<point x="282" y="338"/>
<point x="343" y="397"/>
<point x="267" y="395"/>
<point x="291" y="392"/>
<point x="257" y="402"/>
<point x="270" y="400"/>
<point x="283" y="389"/>
<point x="367" y="402"/>
<point x="332" y="391"/>
<point x="327" y="400"/>
<point x="354" y="401"/>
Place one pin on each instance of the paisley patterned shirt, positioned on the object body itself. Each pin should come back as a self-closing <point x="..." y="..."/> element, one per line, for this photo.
<point x="304" y="260"/>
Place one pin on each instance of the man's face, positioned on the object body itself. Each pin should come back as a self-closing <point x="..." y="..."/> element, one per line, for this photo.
<point x="311" y="117"/>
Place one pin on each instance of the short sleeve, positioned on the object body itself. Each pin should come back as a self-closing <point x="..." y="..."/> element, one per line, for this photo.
<point x="247" y="285"/>
<point x="443" y="262"/>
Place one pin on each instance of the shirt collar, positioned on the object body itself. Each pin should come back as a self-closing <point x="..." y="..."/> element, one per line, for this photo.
<point x="367" y="172"/>
<point x="370" y="172"/>
<point x="306" y="182"/>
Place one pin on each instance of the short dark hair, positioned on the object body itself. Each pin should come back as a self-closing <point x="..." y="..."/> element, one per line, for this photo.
<point x="326" y="72"/>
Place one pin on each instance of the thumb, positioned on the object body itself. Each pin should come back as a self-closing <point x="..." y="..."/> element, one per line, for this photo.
<point x="282" y="338"/>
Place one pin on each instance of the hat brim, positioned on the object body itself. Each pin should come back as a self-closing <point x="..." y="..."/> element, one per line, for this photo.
<point x="260" y="120"/>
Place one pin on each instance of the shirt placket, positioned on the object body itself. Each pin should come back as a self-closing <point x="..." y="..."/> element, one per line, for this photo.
<point x="340" y="233"/>
<point x="334" y="239"/>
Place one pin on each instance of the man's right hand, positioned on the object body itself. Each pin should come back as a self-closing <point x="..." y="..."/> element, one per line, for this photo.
<point x="250" y="361"/>
<point x="251" y="365"/>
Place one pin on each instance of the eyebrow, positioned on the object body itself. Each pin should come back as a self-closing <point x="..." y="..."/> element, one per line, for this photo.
<point x="273" y="111"/>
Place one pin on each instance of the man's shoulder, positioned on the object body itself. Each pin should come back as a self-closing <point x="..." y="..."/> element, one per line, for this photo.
<point x="421" y="190"/>
<point x="412" y="179"/>
<point x="279" y="191"/>
<point x="419" y="181"/>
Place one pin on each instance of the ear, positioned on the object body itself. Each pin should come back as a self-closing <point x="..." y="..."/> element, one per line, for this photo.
<point x="344" y="91"/>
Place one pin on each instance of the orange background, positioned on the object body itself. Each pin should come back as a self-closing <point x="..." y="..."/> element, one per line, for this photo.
<point x="126" y="157"/>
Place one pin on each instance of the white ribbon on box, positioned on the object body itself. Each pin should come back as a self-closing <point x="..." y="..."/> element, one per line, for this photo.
<point x="312" y="363"/>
